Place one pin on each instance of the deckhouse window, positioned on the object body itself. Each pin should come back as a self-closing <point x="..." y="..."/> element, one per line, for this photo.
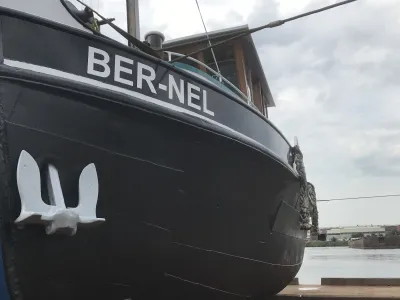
<point x="236" y="60"/>
<point x="226" y="62"/>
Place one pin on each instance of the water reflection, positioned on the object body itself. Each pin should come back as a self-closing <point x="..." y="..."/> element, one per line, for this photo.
<point x="347" y="262"/>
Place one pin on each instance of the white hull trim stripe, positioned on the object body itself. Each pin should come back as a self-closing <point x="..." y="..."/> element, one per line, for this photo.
<point x="96" y="83"/>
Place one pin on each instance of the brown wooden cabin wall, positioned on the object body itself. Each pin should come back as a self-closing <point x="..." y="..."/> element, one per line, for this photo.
<point x="200" y="57"/>
<point x="240" y="66"/>
<point x="249" y="78"/>
<point x="265" y="106"/>
<point x="257" y="97"/>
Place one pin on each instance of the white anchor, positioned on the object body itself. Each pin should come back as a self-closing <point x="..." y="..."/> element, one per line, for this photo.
<point x="56" y="217"/>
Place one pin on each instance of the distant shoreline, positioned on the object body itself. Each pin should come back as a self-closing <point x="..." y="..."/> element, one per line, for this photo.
<point x="327" y="244"/>
<point x="374" y="242"/>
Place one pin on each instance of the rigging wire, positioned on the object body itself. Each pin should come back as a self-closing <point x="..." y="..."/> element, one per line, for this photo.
<point x="269" y="25"/>
<point x="362" y="197"/>
<point x="208" y="37"/>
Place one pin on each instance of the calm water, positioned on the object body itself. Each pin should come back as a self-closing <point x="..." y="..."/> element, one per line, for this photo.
<point x="346" y="262"/>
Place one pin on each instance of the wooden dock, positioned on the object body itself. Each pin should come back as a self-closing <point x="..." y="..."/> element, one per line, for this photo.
<point x="344" y="289"/>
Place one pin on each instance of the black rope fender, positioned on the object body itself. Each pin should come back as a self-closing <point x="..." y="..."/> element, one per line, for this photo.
<point x="306" y="198"/>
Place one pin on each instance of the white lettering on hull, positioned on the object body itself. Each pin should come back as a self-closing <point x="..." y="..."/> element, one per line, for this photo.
<point x="119" y="69"/>
<point x="99" y="65"/>
<point x="92" y="61"/>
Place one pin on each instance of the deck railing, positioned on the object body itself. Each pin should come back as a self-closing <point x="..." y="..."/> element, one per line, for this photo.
<point x="221" y="78"/>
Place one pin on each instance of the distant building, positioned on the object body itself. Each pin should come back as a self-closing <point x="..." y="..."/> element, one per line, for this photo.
<point x="321" y="236"/>
<point x="345" y="233"/>
<point x="392" y="228"/>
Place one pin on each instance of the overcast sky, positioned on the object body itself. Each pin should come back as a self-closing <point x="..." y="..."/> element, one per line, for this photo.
<point x="335" y="78"/>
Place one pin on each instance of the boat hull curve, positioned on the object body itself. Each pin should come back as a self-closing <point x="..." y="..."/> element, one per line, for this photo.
<point x="192" y="209"/>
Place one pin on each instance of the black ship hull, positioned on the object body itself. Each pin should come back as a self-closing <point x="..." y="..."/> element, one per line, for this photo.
<point x="196" y="204"/>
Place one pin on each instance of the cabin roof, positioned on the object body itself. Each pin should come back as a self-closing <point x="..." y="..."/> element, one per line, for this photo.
<point x="250" y="52"/>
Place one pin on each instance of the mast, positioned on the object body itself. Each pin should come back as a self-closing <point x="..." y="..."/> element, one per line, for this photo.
<point x="132" y="12"/>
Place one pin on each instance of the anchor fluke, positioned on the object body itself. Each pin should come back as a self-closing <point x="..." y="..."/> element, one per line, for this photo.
<point x="56" y="217"/>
